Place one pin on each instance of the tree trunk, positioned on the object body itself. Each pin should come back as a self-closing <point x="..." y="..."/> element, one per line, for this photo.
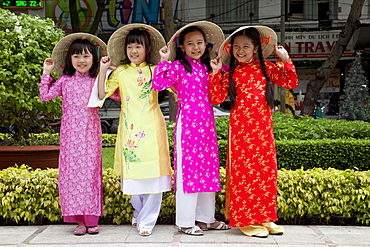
<point x="322" y="75"/>
<point x="99" y="12"/>
<point x="74" y="16"/>
<point x="169" y="30"/>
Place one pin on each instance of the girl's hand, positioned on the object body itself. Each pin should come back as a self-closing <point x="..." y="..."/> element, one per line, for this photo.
<point x="281" y="53"/>
<point x="216" y="64"/>
<point x="106" y="63"/>
<point x="48" y="66"/>
<point x="165" y="53"/>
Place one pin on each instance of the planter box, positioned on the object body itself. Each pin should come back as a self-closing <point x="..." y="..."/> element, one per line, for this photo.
<point x="35" y="156"/>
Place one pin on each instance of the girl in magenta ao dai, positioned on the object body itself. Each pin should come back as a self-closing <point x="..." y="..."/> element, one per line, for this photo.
<point x="196" y="150"/>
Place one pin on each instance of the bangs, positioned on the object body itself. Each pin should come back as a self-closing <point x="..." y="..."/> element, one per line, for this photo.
<point x="82" y="46"/>
<point x="136" y="38"/>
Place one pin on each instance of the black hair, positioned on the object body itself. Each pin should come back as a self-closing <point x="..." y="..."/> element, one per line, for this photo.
<point x="79" y="46"/>
<point x="254" y="36"/>
<point x="180" y="55"/>
<point x="141" y="37"/>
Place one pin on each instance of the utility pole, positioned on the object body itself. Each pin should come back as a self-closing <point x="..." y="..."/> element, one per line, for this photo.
<point x="282" y="41"/>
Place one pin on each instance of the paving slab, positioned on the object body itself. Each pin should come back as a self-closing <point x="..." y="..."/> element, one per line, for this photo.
<point x="168" y="236"/>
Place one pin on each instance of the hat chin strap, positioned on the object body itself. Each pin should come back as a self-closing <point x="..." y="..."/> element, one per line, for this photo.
<point x="98" y="51"/>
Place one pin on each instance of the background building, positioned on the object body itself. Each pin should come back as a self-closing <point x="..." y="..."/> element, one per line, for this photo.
<point x="311" y="27"/>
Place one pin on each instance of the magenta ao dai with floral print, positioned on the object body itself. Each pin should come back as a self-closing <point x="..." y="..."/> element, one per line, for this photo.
<point x="200" y="160"/>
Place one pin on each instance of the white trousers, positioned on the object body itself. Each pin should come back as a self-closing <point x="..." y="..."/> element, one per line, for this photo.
<point x="147" y="208"/>
<point x="191" y="207"/>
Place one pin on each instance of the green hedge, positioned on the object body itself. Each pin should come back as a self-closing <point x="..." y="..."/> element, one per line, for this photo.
<point x="31" y="196"/>
<point x="325" y="194"/>
<point x="42" y="139"/>
<point x="286" y="127"/>
<point x="340" y="154"/>
<point x="301" y="142"/>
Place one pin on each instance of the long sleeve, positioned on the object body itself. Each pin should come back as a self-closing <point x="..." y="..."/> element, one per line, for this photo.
<point x="94" y="100"/>
<point x="284" y="74"/>
<point x="166" y="75"/>
<point x="47" y="91"/>
<point x="219" y="87"/>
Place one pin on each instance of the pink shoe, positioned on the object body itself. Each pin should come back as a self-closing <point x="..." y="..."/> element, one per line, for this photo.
<point x="93" y="230"/>
<point x="79" y="231"/>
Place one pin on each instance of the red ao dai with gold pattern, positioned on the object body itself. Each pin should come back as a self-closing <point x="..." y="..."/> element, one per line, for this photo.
<point x="252" y="165"/>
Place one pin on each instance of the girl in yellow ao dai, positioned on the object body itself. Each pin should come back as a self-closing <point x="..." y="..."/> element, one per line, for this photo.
<point x="142" y="152"/>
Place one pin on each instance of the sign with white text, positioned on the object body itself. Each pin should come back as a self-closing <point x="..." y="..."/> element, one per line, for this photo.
<point x="318" y="44"/>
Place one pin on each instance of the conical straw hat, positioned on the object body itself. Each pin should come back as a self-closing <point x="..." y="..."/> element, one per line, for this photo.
<point x="116" y="46"/>
<point x="213" y="34"/>
<point x="268" y="41"/>
<point x="60" y="50"/>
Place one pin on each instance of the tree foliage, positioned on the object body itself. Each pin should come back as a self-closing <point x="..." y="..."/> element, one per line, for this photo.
<point x="25" y="41"/>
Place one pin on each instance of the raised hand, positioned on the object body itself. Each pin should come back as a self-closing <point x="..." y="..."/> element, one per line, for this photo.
<point x="106" y="63"/>
<point x="165" y="53"/>
<point x="216" y="64"/>
<point x="281" y="53"/>
<point x="48" y="66"/>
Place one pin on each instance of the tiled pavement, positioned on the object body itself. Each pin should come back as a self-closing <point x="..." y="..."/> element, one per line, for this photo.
<point x="168" y="236"/>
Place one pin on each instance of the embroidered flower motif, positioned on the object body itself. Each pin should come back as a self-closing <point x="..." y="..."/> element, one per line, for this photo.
<point x="127" y="98"/>
<point x="140" y="81"/>
<point x="140" y="135"/>
<point x="130" y="144"/>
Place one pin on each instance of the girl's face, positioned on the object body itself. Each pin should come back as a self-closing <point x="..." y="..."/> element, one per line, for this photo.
<point x="136" y="53"/>
<point x="243" y="49"/>
<point x="82" y="62"/>
<point x="194" y="45"/>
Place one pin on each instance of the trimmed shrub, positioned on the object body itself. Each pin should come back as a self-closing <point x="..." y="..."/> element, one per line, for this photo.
<point x="340" y="154"/>
<point x="324" y="194"/>
<point x="31" y="196"/>
<point x="286" y="127"/>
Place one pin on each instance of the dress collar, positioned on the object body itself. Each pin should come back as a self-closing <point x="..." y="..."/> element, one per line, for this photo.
<point x="192" y="60"/>
<point x="250" y="61"/>
<point x="143" y="64"/>
<point x="78" y="74"/>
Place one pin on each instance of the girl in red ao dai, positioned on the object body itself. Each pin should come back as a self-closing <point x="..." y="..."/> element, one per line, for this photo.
<point x="251" y="163"/>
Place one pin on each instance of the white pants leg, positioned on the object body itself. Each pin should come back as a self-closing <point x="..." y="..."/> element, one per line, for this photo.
<point x="147" y="208"/>
<point x="206" y="207"/>
<point x="191" y="207"/>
